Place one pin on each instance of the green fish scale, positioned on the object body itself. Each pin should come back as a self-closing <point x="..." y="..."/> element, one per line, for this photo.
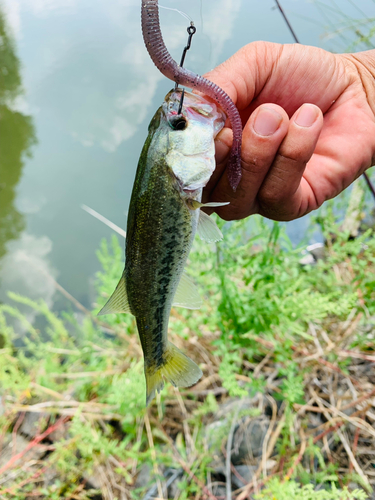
<point x="159" y="238"/>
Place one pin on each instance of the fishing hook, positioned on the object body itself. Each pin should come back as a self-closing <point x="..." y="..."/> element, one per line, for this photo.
<point x="191" y="31"/>
<point x="181" y="102"/>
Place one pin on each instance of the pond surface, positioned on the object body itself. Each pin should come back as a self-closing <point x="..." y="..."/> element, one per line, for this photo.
<point x="77" y="91"/>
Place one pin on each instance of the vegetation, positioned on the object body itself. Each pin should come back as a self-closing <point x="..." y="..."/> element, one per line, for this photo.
<point x="293" y="344"/>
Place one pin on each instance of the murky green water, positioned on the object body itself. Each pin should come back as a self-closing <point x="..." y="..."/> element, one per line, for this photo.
<point x="77" y="90"/>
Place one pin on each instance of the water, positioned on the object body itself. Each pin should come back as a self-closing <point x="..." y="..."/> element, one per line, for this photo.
<point x="77" y="91"/>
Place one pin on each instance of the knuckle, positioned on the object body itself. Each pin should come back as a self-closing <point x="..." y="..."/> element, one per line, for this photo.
<point x="253" y="165"/>
<point x="295" y="158"/>
<point x="270" y="196"/>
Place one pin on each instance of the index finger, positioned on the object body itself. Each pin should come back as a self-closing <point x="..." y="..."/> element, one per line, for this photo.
<point x="240" y="76"/>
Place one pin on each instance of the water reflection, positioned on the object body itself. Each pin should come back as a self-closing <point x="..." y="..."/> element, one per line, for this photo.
<point x="93" y="89"/>
<point x="17" y="134"/>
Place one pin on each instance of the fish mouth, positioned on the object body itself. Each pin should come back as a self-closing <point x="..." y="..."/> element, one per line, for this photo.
<point x="193" y="105"/>
<point x="177" y="122"/>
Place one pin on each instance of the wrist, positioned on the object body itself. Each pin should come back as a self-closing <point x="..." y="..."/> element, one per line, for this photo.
<point x="364" y="63"/>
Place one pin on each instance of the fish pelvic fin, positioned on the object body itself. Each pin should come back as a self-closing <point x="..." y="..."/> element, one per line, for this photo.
<point x="178" y="369"/>
<point x="207" y="228"/>
<point x="118" y="301"/>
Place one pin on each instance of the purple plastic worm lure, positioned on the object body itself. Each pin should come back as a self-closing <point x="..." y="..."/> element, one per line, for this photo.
<point x="163" y="61"/>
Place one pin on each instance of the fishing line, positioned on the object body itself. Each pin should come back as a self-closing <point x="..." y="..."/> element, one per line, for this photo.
<point x="203" y="33"/>
<point x="183" y="14"/>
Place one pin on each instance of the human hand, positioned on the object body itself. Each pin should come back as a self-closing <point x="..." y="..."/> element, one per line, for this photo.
<point x="309" y="128"/>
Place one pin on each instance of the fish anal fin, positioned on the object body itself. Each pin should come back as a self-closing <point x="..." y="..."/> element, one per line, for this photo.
<point x="118" y="301"/>
<point x="177" y="369"/>
<point x="187" y="294"/>
<point x="207" y="228"/>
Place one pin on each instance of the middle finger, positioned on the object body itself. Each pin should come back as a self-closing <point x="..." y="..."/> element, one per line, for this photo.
<point x="262" y="136"/>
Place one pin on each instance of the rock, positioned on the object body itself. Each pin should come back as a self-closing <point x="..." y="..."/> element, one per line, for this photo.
<point x="170" y="483"/>
<point x="173" y="477"/>
<point x="12" y="447"/>
<point x="219" y="490"/>
<point x="248" y="441"/>
<point x="312" y="254"/>
<point x="317" y="250"/>
<point x="355" y="486"/>
<point x="246" y="472"/>
<point x="33" y="424"/>
<point x="314" y="421"/>
<point x="143" y="476"/>
<point x="215" y="432"/>
<point x="92" y="480"/>
<point x="50" y="476"/>
<point x="61" y="433"/>
<point x="230" y="406"/>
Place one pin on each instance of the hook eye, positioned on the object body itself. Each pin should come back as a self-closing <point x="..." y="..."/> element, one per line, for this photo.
<point x="178" y="122"/>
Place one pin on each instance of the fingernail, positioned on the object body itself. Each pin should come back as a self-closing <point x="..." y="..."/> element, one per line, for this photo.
<point x="267" y="121"/>
<point x="306" y="115"/>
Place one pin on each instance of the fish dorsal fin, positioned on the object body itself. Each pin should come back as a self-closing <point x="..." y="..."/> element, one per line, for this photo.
<point x="207" y="228"/>
<point x="118" y="301"/>
<point x="187" y="294"/>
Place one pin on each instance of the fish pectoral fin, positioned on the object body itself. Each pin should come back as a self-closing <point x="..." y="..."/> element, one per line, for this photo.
<point x="187" y="294"/>
<point x="118" y="301"/>
<point x="177" y="369"/>
<point x="194" y="204"/>
<point x="207" y="228"/>
<point x="215" y="204"/>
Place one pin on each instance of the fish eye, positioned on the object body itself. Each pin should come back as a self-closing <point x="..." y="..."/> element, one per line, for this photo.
<point x="178" y="122"/>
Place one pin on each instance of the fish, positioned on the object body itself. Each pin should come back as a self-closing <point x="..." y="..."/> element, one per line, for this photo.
<point x="176" y="162"/>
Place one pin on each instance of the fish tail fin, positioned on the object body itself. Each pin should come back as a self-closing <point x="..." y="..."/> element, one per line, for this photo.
<point x="178" y="369"/>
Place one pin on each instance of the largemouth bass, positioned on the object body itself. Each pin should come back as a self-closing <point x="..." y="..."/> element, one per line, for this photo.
<point x="176" y="162"/>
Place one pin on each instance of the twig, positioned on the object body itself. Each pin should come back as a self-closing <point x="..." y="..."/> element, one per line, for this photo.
<point x="275" y="436"/>
<point x="16" y="427"/>
<point x="63" y="404"/>
<point x="369" y="184"/>
<point x="327" y="431"/>
<point x="185" y="466"/>
<point x="140" y="422"/>
<point x="188" y="439"/>
<point x="298" y="459"/>
<point x="71" y="412"/>
<point x="354" y="450"/>
<point x="48" y="391"/>
<point x="33" y="443"/>
<point x="351" y="457"/>
<point x="12" y="491"/>
<point x="105" y="221"/>
<point x="228" y="458"/>
<point x="359" y="400"/>
<point x="287" y="21"/>
<point x="265" y="449"/>
<point x="153" y="455"/>
<point x="75" y="375"/>
<point x="351" y="354"/>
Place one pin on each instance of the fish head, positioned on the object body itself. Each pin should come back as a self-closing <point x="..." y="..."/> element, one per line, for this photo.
<point x="190" y="138"/>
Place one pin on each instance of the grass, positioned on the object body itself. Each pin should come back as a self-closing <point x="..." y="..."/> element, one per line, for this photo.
<point x="301" y="336"/>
